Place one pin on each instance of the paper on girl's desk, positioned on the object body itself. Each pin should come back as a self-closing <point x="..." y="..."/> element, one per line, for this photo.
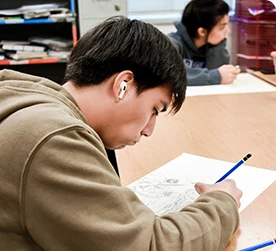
<point x="171" y="187"/>
<point x="245" y="83"/>
<point x="273" y="249"/>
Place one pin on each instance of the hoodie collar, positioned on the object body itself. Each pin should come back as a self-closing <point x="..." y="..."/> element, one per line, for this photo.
<point x="182" y="32"/>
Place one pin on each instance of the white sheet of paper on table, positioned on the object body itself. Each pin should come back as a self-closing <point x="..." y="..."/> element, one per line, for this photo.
<point x="245" y="83"/>
<point x="171" y="187"/>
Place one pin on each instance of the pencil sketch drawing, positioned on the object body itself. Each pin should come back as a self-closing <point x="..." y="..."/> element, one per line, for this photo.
<point x="171" y="187"/>
<point x="164" y="194"/>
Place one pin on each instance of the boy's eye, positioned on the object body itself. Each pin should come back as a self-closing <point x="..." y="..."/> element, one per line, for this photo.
<point x="155" y="112"/>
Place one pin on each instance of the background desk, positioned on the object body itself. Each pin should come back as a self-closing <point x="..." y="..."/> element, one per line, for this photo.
<point x="223" y="127"/>
<point x="269" y="78"/>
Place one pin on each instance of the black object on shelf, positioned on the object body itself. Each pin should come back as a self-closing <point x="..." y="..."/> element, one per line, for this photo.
<point x="267" y="71"/>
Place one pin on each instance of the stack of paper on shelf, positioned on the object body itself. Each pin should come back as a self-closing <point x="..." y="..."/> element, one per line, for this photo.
<point x="23" y="47"/>
<point x="37" y="11"/>
<point x="59" y="54"/>
<point x="11" y="13"/>
<point x="42" y="10"/>
<point x="19" y="55"/>
<point x="53" y="43"/>
<point x="22" y="50"/>
<point x="2" y="54"/>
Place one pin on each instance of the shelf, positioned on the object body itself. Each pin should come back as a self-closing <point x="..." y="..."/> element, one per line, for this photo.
<point x="33" y="61"/>
<point x="66" y="19"/>
<point x="256" y="21"/>
<point x="12" y="28"/>
<point x="254" y="57"/>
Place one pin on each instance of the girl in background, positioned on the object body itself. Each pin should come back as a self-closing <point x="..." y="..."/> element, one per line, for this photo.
<point x="201" y="41"/>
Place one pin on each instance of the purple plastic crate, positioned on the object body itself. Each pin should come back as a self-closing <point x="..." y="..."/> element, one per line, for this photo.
<point x="255" y="10"/>
<point x="257" y="39"/>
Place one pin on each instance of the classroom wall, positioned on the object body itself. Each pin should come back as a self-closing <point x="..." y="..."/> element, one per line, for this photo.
<point x="162" y="5"/>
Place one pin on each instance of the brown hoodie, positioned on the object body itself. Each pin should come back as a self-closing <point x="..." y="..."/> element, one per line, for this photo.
<point x="59" y="192"/>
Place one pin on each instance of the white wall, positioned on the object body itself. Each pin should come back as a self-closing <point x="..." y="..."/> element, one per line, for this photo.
<point x="162" y="5"/>
<point x="156" y="5"/>
<point x="166" y="28"/>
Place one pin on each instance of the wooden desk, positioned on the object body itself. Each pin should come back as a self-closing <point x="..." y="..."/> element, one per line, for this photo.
<point x="269" y="78"/>
<point x="223" y="127"/>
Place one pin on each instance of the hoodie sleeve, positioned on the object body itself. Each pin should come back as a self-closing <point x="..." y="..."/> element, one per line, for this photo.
<point x="176" y="41"/>
<point x="217" y="56"/>
<point x="72" y="200"/>
<point x="197" y="76"/>
<point x="202" y="76"/>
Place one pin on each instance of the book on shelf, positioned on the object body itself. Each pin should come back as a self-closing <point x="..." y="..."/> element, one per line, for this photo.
<point x="2" y="42"/>
<point x="10" y="13"/>
<point x="2" y="54"/>
<point x="58" y="54"/>
<point x="39" y="7"/>
<point x="23" y="47"/>
<point x="53" y="43"/>
<point x="36" y="11"/>
<point x="19" y="55"/>
<point x="46" y="13"/>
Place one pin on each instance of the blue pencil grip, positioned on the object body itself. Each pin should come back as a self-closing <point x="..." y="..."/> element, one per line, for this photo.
<point x="230" y="171"/>
<point x="258" y="246"/>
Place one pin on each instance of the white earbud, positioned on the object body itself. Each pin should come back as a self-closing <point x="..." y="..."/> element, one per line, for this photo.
<point x="123" y="87"/>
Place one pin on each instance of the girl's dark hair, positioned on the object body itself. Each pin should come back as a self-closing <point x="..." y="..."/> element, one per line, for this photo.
<point x="203" y="13"/>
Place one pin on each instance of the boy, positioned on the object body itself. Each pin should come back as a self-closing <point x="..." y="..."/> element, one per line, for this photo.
<point x="58" y="190"/>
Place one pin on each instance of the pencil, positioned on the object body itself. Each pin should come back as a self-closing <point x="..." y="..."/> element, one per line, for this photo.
<point x="261" y="245"/>
<point x="245" y="158"/>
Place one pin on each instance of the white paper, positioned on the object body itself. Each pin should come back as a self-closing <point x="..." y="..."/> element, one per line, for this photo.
<point x="171" y="187"/>
<point x="245" y="83"/>
<point x="273" y="249"/>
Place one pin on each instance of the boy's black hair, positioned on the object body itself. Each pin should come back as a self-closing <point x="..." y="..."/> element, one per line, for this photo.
<point x="203" y="13"/>
<point x="119" y="44"/>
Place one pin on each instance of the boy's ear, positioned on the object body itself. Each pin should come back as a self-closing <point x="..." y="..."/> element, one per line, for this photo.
<point x="125" y="77"/>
